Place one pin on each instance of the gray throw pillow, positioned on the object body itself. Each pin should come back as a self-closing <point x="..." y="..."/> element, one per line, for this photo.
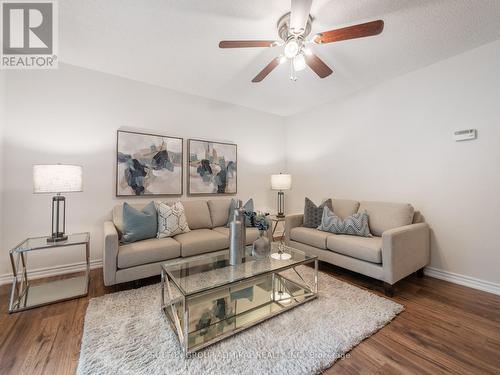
<point x="313" y="213"/>
<point x="139" y="225"/>
<point x="248" y="207"/>
<point x="356" y="225"/>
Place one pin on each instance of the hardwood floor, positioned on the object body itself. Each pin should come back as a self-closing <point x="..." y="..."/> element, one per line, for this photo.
<point x="446" y="328"/>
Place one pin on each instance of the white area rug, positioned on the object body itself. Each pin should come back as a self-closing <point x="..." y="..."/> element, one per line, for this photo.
<point x="126" y="333"/>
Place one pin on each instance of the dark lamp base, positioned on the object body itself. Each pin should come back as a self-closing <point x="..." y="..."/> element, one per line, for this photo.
<point x="57" y="238"/>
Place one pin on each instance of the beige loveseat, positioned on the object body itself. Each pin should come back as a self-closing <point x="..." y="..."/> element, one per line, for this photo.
<point x="400" y="244"/>
<point x="206" y="219"/>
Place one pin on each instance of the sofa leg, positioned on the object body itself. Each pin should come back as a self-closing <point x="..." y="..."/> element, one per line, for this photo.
<point x="388" y="290"/>
<point x="420" y="273"/>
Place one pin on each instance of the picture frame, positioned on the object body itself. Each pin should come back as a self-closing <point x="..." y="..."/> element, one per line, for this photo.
<point x="149" y="164"/>
<point x="212" y="168"/>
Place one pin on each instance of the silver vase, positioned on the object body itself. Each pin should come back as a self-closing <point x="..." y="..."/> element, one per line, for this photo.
<point x="237" y="236"/>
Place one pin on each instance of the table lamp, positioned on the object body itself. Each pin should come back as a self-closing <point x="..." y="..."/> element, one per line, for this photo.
<point x="57" y="178"/>
<point x="281" y="182"/>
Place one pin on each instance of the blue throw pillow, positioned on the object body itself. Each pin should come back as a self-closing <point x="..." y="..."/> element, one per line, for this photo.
<point x="356" y="225"/>
<point x="248" y="207"/>
<point x="139" y="225"/>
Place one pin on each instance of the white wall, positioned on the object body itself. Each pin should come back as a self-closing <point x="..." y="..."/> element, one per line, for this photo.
<point x="71" y="115"/>
<point x="3" y="118"/>
<point x="391" y="142"/>
<point x="394" y="142"/>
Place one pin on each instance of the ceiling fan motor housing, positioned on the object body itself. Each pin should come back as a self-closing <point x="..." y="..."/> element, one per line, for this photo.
<point x="284" y="31"/>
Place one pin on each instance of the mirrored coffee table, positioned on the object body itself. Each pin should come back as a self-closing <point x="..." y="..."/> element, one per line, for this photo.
<point x="206" y="300"/>
<point x="26" y="294"/>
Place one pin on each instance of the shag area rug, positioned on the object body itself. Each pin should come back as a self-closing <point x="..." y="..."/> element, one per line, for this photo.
<point x="126" y="333"/>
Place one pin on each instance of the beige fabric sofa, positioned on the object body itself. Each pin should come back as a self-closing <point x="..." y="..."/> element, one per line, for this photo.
<point x="206" y="219"/>
<point x="400" y="244"/>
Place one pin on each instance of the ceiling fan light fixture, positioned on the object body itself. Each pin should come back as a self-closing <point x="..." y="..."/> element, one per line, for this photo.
<point x="292" y="48"/>
<point x="299" y="62"/>
<point x="294" y="29"/>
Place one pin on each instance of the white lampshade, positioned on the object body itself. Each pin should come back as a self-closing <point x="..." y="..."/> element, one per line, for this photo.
<point x="281" y="181"/>
<point x="57" y="178"/>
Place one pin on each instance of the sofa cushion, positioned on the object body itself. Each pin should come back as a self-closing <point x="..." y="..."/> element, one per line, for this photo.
<point x="385" y="215"/>
<point x="251" y="235"/>
<point x="345" y="207"/>
<point x="139" y="224"/>
<point x="219" y="211"/>
<point x="310" y="236"/>
<point x="313" y="213"/>
<point x="148" y="251"/>
<point x="197" y="214"/>
<point x="364" y="248"/>
<point x="201" y="241"/>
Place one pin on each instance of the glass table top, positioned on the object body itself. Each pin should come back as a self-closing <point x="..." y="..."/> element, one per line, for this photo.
<point x="208" y="271"/>
<point x="37" y="243"/>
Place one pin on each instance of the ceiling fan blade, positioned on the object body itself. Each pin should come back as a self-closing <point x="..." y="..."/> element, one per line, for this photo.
<point x="268" y="69"/>
<point x="350" y="32"/>
<point x="246" y="43"/>
<point x="318" y="66"/>
<point x="299" y="14"/>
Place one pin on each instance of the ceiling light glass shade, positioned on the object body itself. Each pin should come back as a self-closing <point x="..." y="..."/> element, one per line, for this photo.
<point x="282" y="59"/>
<point x="299" y="63"/>
<point x="281" y="181"/>
<point x="57" y="178"/>
<point x="291" y="48"/>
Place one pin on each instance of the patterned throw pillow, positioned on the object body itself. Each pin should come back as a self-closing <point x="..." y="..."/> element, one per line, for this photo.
<point x="313" y="213"/>
<point x="356" y="225"/>
<point x="171" y="219"/>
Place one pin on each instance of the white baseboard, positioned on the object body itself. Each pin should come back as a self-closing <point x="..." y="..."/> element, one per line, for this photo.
<point x="53" y="271"/>
<point x="471" y="282"/>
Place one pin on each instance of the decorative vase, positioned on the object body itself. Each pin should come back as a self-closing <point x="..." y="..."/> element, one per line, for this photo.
<point x="237" y="236"/>
<point x="261" y="246"/>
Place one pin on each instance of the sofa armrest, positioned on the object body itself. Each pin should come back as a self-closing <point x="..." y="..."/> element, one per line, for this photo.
<point x="405" y="250"/>
<point x="110" y="253"/>
<point x="292" y="221"/>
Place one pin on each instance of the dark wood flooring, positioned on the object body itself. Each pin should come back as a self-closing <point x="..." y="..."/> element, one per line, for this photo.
<point x="445" y="329"/>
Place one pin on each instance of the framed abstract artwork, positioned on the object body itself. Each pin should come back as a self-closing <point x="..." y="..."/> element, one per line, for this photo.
<point x="212" y="167"/>
<point x="148" y="164"/>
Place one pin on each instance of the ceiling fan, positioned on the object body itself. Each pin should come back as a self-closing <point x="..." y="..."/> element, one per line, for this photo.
<point x="294" y="28"/>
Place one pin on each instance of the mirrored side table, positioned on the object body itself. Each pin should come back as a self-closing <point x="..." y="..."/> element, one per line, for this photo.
<point x="26" y="295"/>
<point x="276" y="220"/>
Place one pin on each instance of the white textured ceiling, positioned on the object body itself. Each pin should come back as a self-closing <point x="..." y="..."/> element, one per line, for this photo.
<point x="175" y="44"/>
